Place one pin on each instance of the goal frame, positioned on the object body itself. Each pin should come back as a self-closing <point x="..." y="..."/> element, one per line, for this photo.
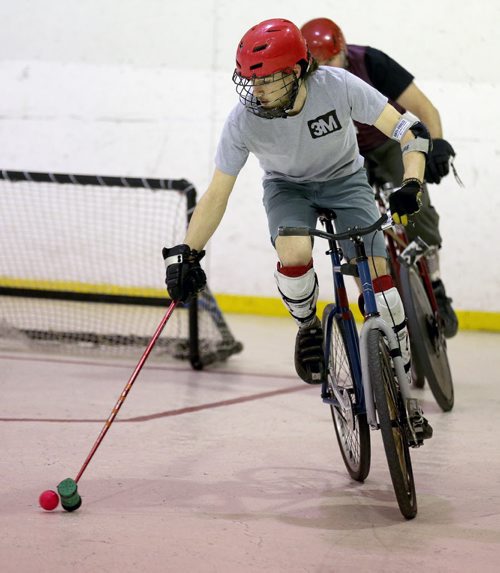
<point x="196" y="358"/>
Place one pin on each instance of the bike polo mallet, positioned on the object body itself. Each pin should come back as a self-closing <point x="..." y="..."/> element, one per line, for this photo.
<point x="68" y="488"/>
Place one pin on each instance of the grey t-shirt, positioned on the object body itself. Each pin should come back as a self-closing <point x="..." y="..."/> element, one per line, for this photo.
<point x="318" y="144"/>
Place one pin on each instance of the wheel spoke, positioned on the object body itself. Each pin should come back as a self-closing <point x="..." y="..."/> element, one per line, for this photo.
<point x="350" y="426"/>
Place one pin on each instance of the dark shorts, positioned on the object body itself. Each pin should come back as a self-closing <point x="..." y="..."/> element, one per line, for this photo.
<point x="296" y="205"/>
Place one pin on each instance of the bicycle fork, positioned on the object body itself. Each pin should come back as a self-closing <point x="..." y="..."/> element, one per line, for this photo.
<point x="378" y="323"/>
<point x="374" y="321"/>
<point x="412" y="408"/>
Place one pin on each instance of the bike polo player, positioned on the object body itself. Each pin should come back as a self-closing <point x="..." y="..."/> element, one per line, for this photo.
<point x="297" y="119"/>
<point x="327" y="44"/>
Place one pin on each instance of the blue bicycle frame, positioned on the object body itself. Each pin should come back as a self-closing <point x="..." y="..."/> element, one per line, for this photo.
<point x="352" y="340"/>
<point x="355" y="344"/>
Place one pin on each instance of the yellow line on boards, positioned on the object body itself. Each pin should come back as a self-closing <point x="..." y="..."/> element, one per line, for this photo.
<point x="242" y="304"/>
<point x="268" y="306"/>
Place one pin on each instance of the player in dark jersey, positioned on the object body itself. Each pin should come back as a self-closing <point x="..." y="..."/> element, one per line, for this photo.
<point x="382" y="155"/>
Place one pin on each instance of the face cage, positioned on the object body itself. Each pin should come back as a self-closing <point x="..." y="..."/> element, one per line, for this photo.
<point x="244" y="89"/>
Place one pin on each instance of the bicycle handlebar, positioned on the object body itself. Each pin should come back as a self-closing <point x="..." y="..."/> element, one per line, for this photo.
<point x="354" y="232"/>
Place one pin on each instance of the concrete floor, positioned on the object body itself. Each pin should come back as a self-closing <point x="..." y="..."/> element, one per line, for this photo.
<point x="236" y="469"/>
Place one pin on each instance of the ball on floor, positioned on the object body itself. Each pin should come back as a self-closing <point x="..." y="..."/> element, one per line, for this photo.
<point x="48" y="500"/>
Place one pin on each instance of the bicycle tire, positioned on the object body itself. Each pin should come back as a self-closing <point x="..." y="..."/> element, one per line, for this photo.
<point x="351" y="428"/>
<point x="428" y="343"/>
<point x="392" y="419"/>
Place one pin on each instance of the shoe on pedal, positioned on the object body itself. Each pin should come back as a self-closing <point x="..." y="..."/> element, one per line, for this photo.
<point x="450" y="320"/>
<point x="309" y="357"/>
<point x="420" y="425"/>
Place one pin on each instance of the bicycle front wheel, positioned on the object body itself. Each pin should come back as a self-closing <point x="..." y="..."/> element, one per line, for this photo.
<point x="350" y="423"/>
<point x="427" y="340"/>
<point x="392" y="419"/>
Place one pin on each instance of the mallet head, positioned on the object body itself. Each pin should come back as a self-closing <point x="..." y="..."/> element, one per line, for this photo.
<point x="68" y="492"/>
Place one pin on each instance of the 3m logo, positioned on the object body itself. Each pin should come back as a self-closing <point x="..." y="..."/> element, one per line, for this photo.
<point x="324" y="124"/>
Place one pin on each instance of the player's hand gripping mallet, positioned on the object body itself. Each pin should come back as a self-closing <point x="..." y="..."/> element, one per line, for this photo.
<point x="68" y="489"/>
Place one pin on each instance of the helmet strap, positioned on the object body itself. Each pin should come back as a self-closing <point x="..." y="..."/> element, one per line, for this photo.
<point x="297" y="82"/>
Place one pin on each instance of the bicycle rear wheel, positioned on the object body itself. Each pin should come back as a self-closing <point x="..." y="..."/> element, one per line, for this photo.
<point x="351" y="426"/>
<point x="427" y="340"/>
<point x="393" y="423"/>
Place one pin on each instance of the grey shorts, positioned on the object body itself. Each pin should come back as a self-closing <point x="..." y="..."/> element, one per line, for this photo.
<point x="296" y="204"/>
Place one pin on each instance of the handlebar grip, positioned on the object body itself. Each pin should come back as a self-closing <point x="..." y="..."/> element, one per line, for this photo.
<point x="293" y="231"/>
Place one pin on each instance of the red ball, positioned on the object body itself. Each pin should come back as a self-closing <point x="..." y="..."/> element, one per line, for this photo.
<point x="48" y="500"/>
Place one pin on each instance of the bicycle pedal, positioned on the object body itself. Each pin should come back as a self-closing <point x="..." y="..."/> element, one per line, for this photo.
<point x="416" y="424"/>
<point x="415" y="441"/>
<point x="327" y="398"/>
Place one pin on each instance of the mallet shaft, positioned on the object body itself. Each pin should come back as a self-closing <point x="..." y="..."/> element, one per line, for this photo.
<point x="127" y="388"/>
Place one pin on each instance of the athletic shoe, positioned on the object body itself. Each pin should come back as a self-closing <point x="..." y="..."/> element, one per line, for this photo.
<point x="309" y="357"/>
<point x="420" y="425"/>
<point x="448" y="316"/>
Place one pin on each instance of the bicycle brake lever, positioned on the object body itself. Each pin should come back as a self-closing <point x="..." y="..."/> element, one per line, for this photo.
<point x="388" y="224"/>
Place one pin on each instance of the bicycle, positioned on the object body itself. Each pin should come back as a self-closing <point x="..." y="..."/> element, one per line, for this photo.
<point x="411" y="276"/>
<point x="366" y="385"/>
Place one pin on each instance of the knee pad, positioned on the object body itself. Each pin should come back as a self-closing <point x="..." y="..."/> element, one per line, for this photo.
<point x="299" y="293"/>
<point x="391" y="309"/>
<point x="389" y="303"/>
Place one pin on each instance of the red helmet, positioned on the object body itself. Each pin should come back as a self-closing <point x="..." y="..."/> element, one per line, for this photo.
<point x="269" y="47"/>
<point x="324" y="38"/>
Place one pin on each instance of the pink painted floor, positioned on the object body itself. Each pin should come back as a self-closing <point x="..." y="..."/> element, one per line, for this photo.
<point x="236" y="469"/>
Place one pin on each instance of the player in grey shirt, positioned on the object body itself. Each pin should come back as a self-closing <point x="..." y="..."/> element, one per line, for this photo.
<point x="297" y="119"/>
<point x="316" y="145"/>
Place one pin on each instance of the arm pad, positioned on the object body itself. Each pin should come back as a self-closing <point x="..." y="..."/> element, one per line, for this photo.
<point x="422" y="141"/>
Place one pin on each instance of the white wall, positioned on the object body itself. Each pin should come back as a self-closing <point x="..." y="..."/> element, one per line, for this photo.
<point x="142" y="87"/>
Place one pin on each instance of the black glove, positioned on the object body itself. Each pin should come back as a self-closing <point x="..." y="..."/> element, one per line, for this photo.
<point x="406" y="201"/>
<point x="438" y="161"/>
<point x="185" y="277"/>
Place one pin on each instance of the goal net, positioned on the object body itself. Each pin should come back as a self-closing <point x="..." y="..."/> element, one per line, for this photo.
<point x="81" y="268"/>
